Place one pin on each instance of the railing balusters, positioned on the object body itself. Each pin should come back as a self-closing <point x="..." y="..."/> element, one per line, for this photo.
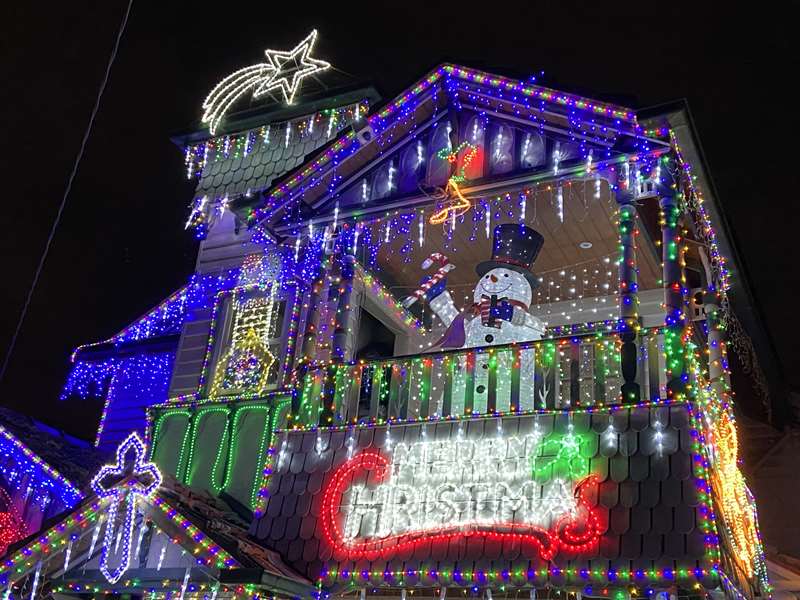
<point x="580" y="371"/>
<point x="376" y="374"/>
<point x="449" y="367"/>
<point x="425" y="388"/>
<point x="469" y="382"/>
<point x="404" y="391"/>
<point x="516" y="379"/>
<point x="492" y="360"/>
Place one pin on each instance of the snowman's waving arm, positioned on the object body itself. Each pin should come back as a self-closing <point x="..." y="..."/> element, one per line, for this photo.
<point x="443" y="306"/>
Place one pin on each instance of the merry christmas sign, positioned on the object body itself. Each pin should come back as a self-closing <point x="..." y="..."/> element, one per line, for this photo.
<point x="488" y="494"/>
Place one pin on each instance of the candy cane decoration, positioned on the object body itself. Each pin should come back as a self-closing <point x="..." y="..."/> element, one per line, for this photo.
<point x="444" y="267"/>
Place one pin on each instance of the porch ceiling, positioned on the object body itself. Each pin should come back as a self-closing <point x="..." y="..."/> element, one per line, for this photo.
<point x="586" y="219"/>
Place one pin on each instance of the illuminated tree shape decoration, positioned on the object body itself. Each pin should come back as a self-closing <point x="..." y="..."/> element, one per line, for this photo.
<point x="566" y="460"/>
<point x="738" y="508"/>
<point x="283" y="71"/>
<point x="245" y="366"/>
<point x="124" y="483"/>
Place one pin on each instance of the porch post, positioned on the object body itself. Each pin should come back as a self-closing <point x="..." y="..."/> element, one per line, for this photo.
<point x="717" y="355"/>
<point x="674" y="279"/>
<point x="343" y="308"/>
<point x="628" y="297"/>
<point x="312" y="316"/>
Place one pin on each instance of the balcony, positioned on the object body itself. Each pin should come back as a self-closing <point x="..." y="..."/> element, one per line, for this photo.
<point x="563" y="372"/>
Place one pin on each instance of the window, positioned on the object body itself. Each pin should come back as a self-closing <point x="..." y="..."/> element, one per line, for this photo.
<point x="533" y="151"/>
<point x="385" y="180"/>
<point x="475" y="134"/>
<point x="501" y="158"/>
<point x="439" y="168"/>
<point x="412" y="162"/>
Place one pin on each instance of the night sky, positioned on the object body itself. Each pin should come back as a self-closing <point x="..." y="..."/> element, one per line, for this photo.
<point x="121" y="246"/>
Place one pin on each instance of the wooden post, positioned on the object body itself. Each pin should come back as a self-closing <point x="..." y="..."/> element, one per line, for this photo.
<point x="312" y="317"/>
<point x="343" y="309"/>
<point x="717" y="355"/>
<point x="628" y="298"/>
<point x="675" y="315"/>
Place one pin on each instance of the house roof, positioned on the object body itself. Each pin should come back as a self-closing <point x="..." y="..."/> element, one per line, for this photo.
<point x="63" y="455"/>
<point x="256" y="148"/>
<point x="204" y="526"/>
<point x="450" y="86"/>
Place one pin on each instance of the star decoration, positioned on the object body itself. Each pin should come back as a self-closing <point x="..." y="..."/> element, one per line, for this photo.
<point x="283" y="71"/>
<point x="295" y="64"/>
<point x="123" y="483"/>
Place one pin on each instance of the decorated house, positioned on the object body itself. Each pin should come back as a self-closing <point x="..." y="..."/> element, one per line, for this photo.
<point x="470" y="341"/>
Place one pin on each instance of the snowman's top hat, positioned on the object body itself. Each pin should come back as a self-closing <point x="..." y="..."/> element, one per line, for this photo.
<point x="515" y="247"/>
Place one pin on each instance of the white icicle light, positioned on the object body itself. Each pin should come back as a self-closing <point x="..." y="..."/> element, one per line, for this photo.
<point x="161" y="557"/>
<point x="185" y="583"/>
<point x="335" y="215"/>
<point x="330" y="124"/>
<point x="364" y="190"/>
<point x="420" y="152"/>
<point x="288" y="134"/>
<point x="297" y="249"/>
<point x="597" y="188"/>
<point x="488" y="222"/>
<point x="36" y="575"/>
<point x="560" y="203"/>
<point x="390" y="182"/>
<point x="421" y="226"/>
<point x="67" y="555"/>
<point x="142" y="531"/>
<point x="556" y="158"/>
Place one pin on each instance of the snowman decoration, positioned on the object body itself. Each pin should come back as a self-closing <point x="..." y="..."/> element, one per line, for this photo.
<point x="500" y="313"/>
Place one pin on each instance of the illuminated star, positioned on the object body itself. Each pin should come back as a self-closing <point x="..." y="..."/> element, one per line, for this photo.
<point x="283" y="70"/>
<point x="296" y="64"/>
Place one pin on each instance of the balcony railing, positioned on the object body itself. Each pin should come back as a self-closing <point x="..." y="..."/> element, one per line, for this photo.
<point x="564" y="372"/>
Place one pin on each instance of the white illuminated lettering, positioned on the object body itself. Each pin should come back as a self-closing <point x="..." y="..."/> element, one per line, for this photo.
<point x="457" y="483"/>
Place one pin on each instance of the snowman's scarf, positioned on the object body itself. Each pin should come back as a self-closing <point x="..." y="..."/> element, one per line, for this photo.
<point x="456" y="334"/>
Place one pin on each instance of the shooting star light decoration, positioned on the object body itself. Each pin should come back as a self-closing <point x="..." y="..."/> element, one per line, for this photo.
<point x="283" y="71"/>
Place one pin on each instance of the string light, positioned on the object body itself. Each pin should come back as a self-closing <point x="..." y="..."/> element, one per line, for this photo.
<point x="139" y="479"/>
<point x="263" y="78"/>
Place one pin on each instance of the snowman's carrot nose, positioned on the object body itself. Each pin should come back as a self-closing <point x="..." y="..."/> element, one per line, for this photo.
<point x="493" y="278"/>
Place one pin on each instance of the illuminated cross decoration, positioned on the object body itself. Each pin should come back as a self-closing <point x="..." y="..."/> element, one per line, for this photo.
<point x="283" y="71"/>
<point x="124" y="483"/>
